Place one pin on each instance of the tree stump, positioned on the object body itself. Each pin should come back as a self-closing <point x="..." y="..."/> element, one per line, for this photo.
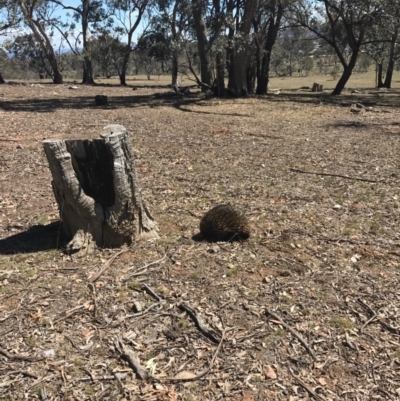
<point x="97" y="190"/>
<point x="317" y="87"/>
<point x="101" y="100"/>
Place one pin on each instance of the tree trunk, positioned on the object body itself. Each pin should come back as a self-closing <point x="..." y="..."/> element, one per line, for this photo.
<point x="2" y="79"/>
<point x="87" y="71"/>
<point x="202" y="44"/>
<point x="174" y="71"/>
<point x="43" y="39"/>
<point x="97" y="190"/>
<point x="380" y="76"/>
<point x="346" y="74"/>
<point x="219" y="85"/>
<point x="390" y="68"/>
<point x="240" y="62"/>
<point x="125" y="62"/>
<point x="272" y="33"/>
<point x="389" y="74"/>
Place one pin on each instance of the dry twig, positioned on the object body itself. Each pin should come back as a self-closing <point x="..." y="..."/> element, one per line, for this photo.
<point x="107" y="265"/>
<point x="293" y="331"/>
<point x="387" y="326"/>
<point x="129" y="356"/>
<point x="202" y="374"/>
<point x="198" y="324"/>
<point x="307" y="388"/>
<point x="296" y="170"/>
<point x="18" y="357"/>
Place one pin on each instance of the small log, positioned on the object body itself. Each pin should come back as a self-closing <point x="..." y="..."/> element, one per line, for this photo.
<point x="97" y="190"/>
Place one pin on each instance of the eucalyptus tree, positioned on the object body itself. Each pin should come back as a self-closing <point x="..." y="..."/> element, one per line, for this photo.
<point x="128" y="15"/>
<point x="27" y="52"/>
<point x="35" y="14"/>
<point x="267" y="23"/>
<point x="343" y="24"/>
<point x="175" y="16"/>
<point x="240" y="17"/>
<point x="89" y="13"/>
<point x="209" y="18"/>
<point x="107" y="54"/>
<point x="382" y="42"/>
<point x="9" y="18"/>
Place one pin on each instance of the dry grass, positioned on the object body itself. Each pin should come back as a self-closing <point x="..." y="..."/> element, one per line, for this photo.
<point x="320" y="243"/>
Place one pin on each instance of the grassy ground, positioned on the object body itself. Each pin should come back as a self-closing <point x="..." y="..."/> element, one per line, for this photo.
<point x="307" y="308"/>
<point x="362" y="80"/>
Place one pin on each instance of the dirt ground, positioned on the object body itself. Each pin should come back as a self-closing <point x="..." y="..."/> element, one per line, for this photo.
<point x="308" y="308"/>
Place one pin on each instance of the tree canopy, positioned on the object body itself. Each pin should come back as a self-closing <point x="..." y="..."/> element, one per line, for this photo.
<point x="228" y="46"/>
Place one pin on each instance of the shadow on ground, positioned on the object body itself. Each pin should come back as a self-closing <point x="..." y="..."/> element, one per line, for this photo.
<point x="35" y="239"/>
<point x="180" y="102"/>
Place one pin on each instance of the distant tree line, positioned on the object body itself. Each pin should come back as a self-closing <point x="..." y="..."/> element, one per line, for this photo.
<point x="229" y="46"/>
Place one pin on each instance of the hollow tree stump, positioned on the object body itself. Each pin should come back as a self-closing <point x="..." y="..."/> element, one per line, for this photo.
<point x="97" y="190"/>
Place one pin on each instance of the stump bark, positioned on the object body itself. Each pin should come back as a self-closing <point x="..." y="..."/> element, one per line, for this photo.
<point x="97" y="190"/>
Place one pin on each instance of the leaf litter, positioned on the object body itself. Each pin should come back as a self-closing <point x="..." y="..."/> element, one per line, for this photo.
<point x="306" y="309"/>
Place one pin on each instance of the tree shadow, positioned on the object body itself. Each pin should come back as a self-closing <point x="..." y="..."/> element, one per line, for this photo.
<point x="36" y="239"/>
<point x="182" y="102"/>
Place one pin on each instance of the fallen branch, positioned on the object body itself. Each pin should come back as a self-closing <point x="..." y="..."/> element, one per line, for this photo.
<point x="107" y="265"/>
<point x="367" y="323"/>
<point x="69" y="313"/>
<point x="130" y="357"/>
<point x="200" y="375"/>
<point x="142" y="270"/>
<point x="293" y="331"/>
<point x="198" y="324"/>
<point x="307" y="388"/>
<point x="387" y="326"/>
<point x="96" y="378"/>
<point x="152" y="293"/>
<point x="18" y="357"/>
<point x="296" y="170"/>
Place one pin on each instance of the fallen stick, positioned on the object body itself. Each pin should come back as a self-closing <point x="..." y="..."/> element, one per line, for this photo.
<point x="306" y="387"/>
<point x="200" y="375"/>
<point x="296" y="170"/>
<point x="387" y="326"/>
<point x="17" y="357"/>
<point x="107" y="265"/>
<point x="293" y="331"/>
<point x="152" y="293"/>
<point x="198" y="324"/>
<point x="130" y="357"/>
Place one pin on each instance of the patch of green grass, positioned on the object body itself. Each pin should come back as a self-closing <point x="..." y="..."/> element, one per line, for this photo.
<point x="396" y="354"/>
<point x="89" y="390"/>
<point x="162" y="289"/>
<point x="305" y="312"/>
<point x="33" y="341"/>
<point x="183" y="323"/>
<point x="134" y="284"/>
<point x="343" y="323"/>
<point x="168" y="240"/>
<point x="284" y="299"/>
<point x="42" y="220"/>
<point x="194" y="275"/>
<point x="46" y="322"/>
<point x="232" y="272"/>
<point x="280" y="332"/>
<point x="78" y="362"/>
<point x="123" y="295"/>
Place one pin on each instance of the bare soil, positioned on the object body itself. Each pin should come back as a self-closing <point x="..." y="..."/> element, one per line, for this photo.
<point x="308" y="308"/>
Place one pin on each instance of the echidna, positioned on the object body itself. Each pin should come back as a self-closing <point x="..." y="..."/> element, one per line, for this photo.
<point x="224" y="223"/>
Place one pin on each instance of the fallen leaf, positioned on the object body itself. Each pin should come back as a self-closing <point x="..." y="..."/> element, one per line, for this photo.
<point x="270" y="373"/>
